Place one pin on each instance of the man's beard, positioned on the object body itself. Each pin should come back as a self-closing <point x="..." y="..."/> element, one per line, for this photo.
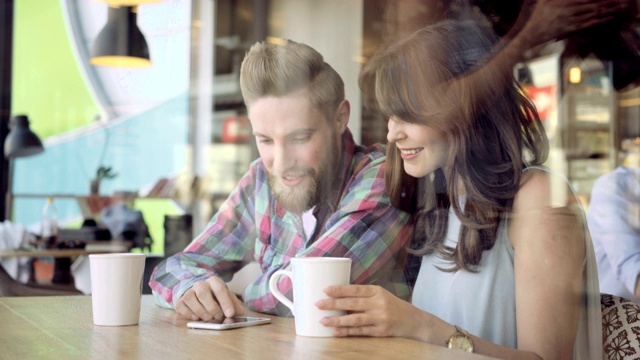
<point x="304" y="196"/>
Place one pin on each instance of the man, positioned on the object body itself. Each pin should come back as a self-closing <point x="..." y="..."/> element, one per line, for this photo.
<point x="312" y="192"/>
<point x="614" y="223"/>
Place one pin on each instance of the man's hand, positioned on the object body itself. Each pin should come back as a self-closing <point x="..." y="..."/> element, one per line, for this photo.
<point x="209" y="299"/>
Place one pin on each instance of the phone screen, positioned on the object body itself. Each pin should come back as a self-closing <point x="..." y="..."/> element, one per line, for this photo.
<point x="228" y="323"/>
<point x="233" y="320"/>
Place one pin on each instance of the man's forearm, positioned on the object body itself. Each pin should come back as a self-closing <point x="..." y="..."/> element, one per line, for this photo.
<point x="638" y="286"/>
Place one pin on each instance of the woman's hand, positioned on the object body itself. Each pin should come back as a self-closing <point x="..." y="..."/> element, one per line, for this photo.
<point x="371" y="311"/>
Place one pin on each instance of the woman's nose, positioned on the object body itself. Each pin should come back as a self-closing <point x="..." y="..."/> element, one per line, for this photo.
<point x="394" y="130"/>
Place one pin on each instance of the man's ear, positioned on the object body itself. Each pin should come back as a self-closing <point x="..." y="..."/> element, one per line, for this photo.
<point x="342" y="115"/>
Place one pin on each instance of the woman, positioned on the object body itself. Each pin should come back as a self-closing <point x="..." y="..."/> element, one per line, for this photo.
<point x="507" y="265"/>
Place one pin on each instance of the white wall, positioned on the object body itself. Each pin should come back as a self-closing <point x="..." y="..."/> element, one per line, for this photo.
<point x="334" y="28"/>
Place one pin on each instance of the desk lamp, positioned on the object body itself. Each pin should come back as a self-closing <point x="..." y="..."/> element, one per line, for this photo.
<point x="20" y="142"/>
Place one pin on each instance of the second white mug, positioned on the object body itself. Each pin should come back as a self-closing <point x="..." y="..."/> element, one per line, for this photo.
<point x="310" y="276"/>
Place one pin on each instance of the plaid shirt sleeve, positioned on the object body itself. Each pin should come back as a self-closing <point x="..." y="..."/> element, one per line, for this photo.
<point x="224" y="247"/>
<point x="365" y="228"/>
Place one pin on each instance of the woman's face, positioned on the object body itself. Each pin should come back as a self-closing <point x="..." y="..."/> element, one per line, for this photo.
<point x="423" y="148"/>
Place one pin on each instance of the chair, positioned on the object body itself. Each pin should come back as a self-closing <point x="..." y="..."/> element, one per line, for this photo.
<point x="620" y="327"/>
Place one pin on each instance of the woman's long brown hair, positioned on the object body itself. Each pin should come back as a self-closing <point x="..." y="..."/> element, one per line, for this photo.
<point x="491" y="139"/>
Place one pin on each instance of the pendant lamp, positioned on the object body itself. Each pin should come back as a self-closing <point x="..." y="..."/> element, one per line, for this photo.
<point x="21" y="141"/>
<point x="121" y="43"/>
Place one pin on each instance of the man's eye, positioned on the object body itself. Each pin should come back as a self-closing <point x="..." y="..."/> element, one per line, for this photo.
<point x="265" y="141"/>
<point x="301" y="139"/>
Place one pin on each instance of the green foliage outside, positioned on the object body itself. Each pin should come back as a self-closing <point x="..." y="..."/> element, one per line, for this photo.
<point x="47" y="84"/>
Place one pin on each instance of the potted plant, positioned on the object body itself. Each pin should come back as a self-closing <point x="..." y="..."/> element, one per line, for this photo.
<point x="103" y="172"/>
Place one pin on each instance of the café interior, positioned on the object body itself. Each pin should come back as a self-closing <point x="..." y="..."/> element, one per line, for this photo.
<point x="164" y="129"/>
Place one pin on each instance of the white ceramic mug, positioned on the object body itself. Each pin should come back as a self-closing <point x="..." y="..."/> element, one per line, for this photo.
<point x="116" y="288"/>
<point x="310" y="276"/>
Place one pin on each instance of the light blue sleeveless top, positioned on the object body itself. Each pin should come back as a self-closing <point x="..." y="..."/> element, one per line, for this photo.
<point x="484" y="302"/>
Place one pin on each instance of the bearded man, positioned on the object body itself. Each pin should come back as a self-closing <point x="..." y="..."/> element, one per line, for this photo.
<point x="313" y="192"/>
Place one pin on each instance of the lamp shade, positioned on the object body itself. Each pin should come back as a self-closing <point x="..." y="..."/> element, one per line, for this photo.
<point x="128" y="2"/>
<point x="121" y="43"/>
<point x="21" y="141"/>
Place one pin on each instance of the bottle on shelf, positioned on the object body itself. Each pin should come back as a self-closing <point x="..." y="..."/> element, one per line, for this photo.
<point x="49" y="230"/>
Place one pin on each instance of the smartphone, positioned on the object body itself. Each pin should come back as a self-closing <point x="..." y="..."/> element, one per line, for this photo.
<point x="228" y="323"/>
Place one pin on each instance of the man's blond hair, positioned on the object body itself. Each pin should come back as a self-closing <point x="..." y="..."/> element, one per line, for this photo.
<point x="281" y="69"/>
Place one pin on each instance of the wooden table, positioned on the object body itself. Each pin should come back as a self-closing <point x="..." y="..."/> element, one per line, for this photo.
<point x="61" y="327"/>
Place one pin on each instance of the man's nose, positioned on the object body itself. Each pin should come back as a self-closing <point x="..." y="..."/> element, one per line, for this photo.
<point x="282" y="159"/>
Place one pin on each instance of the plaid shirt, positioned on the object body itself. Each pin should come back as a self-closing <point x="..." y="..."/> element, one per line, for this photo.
<point x="356" y="220"/>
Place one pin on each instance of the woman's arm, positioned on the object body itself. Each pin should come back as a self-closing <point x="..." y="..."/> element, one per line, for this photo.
<point x="373" y="311"/>
<point x="539" y="22"/>
<point x="549" y="247"/>
<point x="549" y="255"/>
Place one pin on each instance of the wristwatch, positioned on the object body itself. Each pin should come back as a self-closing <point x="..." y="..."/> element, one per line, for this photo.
<point x="460" y="340"/>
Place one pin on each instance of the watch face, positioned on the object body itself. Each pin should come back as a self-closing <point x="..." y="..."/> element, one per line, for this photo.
<point x="460" y="343"/>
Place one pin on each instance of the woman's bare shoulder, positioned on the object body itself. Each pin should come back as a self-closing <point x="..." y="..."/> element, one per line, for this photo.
<point x="535" y="190"/>
<point x="545" y="201"/>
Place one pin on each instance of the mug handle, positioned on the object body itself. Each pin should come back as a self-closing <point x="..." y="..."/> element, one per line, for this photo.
<point x="273" y="286"/>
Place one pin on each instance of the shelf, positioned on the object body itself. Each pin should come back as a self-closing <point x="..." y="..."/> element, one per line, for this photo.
<point x="97" y="247"/>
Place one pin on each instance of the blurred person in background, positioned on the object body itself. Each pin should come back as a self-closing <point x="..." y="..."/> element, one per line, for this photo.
<point x="614" y="222"/>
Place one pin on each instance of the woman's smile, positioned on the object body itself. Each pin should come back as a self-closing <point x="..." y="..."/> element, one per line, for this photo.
<point x="408" y="154"/>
